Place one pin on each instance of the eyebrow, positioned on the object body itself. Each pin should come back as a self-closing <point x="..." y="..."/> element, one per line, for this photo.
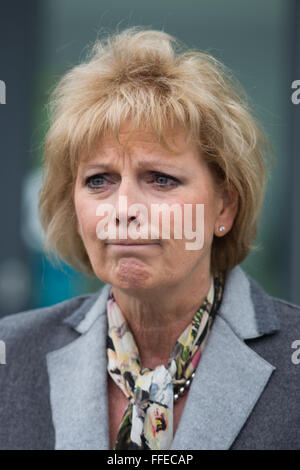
<point x="140" y="165"/>
<point x="102" y="166"/>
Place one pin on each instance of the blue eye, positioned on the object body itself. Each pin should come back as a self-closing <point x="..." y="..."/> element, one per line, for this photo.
<point x="94" y="181"/>
<point x="162" y="179"/>
<point x="165" y="180"/>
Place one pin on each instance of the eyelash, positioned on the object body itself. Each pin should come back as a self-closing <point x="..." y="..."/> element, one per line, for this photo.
<point x="153" y="173"/>
<point x="89" y="179"/>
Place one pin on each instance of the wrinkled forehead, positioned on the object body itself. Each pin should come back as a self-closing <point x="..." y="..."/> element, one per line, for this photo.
<point x="128" y="142"/>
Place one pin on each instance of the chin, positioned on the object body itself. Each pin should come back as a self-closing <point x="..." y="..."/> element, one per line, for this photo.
<point x="132" y="271"/>
<point x="131" y="274"/>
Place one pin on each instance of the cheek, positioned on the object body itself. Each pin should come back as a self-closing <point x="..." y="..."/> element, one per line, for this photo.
<point x="210" y="202"/>
<point x="201" y="213"/>
<point x="86" y="218"/>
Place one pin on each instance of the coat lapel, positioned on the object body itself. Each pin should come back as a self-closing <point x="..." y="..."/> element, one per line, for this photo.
<point x="77" y="376"/>
<point x="228" y="382"/>
<point x="230" y="376"/>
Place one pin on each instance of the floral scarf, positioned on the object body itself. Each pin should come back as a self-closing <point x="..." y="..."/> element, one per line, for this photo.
<point x="148" y="419"/>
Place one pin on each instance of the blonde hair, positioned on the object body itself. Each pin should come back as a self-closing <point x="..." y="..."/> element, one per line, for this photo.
<point x="146" y="77"/>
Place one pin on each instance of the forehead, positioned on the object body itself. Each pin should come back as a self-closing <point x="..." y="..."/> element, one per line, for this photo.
<point x="142" y="146"/>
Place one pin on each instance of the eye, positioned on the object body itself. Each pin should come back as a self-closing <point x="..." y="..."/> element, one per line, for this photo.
<point x="164" y="180"/>
<point x="96" y="181"/>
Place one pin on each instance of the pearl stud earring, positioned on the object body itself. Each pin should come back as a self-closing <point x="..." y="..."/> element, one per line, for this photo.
<point x="221" y="228"/>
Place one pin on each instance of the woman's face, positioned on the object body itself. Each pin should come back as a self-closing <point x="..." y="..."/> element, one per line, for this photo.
<point x="146" y="173"/>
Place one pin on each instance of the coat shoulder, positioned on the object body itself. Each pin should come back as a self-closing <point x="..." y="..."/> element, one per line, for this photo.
<point x="28" y="337"/>
<point x="274" y="421"/>
<point x="288" y="315"/>
<point x="285" y="307"/>
<point x="19" y="324"/>
<point x="280" y="313"/>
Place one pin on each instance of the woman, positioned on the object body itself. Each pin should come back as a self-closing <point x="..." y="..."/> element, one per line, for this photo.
<point x="180" y="349"/>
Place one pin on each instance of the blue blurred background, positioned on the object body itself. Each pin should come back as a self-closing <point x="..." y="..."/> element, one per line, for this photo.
<point x="41" y="39"/>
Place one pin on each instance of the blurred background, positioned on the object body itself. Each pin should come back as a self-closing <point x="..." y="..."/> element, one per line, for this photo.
<point x="41" y="39"/>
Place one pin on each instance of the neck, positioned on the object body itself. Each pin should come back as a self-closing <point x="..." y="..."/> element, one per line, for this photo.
<point x="157" y="320"/>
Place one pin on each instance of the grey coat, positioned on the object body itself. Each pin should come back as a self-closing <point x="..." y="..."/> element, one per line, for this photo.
<point x="245" y="394"/>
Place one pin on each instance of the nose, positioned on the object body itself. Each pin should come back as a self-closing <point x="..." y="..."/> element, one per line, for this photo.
<point x="128" y="194"/>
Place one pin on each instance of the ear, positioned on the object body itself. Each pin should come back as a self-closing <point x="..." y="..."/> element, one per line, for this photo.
<point x="227" y="214"/>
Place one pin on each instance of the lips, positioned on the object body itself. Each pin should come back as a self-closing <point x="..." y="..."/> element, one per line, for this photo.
<point x="132" y="242"/>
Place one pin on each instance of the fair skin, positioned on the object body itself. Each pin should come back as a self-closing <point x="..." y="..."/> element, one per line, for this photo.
<point x="158" y="286"/>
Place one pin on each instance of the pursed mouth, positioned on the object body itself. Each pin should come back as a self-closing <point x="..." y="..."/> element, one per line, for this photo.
<point x="132" y="242"/>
